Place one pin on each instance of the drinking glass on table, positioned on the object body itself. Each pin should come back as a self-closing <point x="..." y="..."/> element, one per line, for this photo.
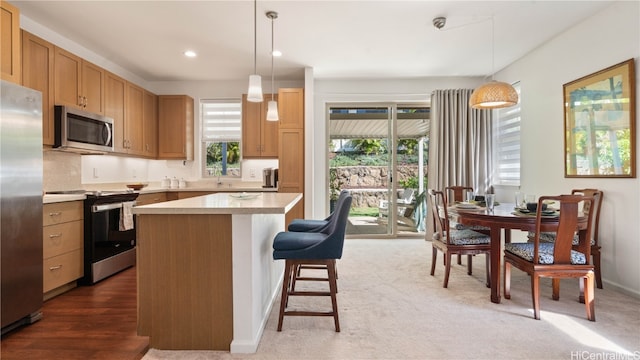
<point x="519" y="199"/>
<point x="530" y="198"/>
<point x="490" y="201"/>
<point x="470" y="196"/>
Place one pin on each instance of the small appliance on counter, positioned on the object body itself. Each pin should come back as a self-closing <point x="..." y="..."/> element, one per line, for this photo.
<point x="270" y="178"/>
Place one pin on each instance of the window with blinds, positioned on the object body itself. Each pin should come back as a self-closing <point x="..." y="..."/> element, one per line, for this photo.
<point x="507" y="144"/>
<point x="221" y="136"/>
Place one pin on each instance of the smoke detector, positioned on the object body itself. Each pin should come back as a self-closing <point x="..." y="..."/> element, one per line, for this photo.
<point x="438" y="22"/>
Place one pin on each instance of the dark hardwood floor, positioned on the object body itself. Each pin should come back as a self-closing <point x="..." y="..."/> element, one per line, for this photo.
<point x="88" y="322"/>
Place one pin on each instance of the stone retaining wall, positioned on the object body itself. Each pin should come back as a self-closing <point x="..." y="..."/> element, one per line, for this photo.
<point x="368" y="184"/>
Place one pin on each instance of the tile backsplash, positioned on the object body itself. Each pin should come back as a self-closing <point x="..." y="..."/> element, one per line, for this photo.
<point x="61" y="171"/>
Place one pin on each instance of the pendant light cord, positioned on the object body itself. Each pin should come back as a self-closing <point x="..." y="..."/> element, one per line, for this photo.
<point x="255" y="35"/>
<point x="272" y="77"/>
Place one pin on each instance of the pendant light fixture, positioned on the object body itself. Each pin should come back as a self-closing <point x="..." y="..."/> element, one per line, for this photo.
<point x="272" y="107"/>
<point x="494" y="94"/>
<point x="255" y="81"/>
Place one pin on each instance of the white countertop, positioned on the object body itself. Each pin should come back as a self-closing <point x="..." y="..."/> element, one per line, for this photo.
<point x="234" y="187"/>
<point x="225" y="203"/>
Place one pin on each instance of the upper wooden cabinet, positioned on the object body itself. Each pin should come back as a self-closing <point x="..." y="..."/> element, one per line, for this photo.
<point x="135" y="116"/>
<point x="114" y="101"/>
<point x="291" y="148"/>
<point x="77" y="82"/>
<point x="291" y="108"/>
<point x="133" y="129"/>
<point x="175" y="127"/>
<point x="10" y="64"/>
<point x="259" y="136"/>
<point x="150" y="124"/>
<point x="37" y="74"/>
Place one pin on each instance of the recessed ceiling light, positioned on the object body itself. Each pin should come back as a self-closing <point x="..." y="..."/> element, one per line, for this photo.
<point x="190" y="53"/>
<point x="277" y="53"/>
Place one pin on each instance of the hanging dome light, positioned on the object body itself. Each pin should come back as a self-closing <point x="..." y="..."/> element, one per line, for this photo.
<point x="494" y="94"/>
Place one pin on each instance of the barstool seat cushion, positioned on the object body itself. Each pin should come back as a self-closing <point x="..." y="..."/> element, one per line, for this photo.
<point x="287" y="241"/>
<point x="302" y="225"/>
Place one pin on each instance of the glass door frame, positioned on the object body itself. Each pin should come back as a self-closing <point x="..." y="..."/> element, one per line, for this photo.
<point x="392" y="164"/>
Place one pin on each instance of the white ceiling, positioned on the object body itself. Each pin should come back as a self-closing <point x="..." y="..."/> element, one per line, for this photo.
<point x="339" y="39"/>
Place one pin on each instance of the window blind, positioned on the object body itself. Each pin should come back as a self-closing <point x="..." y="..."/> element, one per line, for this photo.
<point x="507" y="144"/>
<point x="221" y="120"/>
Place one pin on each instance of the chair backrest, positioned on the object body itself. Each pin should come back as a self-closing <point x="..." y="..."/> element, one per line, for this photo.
<point x="597" y="197"/>
<point x="331" y="247"/>
<point x="458" y="192"/>
<point x="438" y="205"/>
<point x="343" y="193"/>
<point x="407" y="196"/>
<point x="566" y="227"/>
<point x="332" y="217"/>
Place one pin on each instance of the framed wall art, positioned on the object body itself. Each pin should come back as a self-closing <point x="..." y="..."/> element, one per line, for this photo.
<point x="599" y="123"/>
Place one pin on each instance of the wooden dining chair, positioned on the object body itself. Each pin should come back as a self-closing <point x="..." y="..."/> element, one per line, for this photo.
<point x="452" y="241"/>
<point x="458" y="193"/>
<point x="557" y="259"/>
<point x="595" y="245"/>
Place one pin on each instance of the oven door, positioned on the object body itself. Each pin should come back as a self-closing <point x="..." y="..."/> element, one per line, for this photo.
<point x="107" y="237"/>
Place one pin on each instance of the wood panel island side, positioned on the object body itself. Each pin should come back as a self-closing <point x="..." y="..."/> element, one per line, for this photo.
<point x="206" y="276"/>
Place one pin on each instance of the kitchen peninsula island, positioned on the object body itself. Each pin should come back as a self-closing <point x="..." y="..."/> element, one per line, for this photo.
<point x="206" y="276"/>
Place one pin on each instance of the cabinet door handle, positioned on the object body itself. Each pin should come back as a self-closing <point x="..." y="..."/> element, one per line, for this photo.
<point x="57" y="267"/>
<point x="55" y="236"/>
<point x="55" y="213"/>
<point x="85" y="101"/>
<point x="80" y="100"/>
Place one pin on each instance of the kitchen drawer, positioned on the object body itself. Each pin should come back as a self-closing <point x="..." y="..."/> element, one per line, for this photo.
<point x="62" y="269"/>
<point x="62" y="238"/>
<point x="57" y="213"/>
<point x="146" y="199"/>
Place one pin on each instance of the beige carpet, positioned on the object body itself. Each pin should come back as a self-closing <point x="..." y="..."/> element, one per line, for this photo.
<point x="391" y="308"/>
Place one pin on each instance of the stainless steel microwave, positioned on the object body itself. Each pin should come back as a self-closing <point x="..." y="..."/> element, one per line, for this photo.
<point x="77" y="129"/>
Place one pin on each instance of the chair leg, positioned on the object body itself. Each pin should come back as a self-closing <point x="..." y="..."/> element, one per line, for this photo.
<point x="459" y="259"/>
<point x="535" y="295"/>
<point x="469" y="264"/>
<point x="333" y="288"/>
<point x="434" y="255"/>
<point x="507" y="280"/>
<point x="555" y="284"/>
<point x="588" y="296"/>
<point x="288" y="274"/>
<point x="596" y="264"/>
<point x="581" y="295"/>
<point x="447" y="269"/>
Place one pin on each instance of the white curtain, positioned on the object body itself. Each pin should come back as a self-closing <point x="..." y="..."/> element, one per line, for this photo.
<point x="460" y="151"/>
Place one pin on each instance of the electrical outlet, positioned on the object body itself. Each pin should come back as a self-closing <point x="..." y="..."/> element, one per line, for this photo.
<point x="95" y="173"/>
<point x="134" y="174"/>
<point x="252" y="173"/>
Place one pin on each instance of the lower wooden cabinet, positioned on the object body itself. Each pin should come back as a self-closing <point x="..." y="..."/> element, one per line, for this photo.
<point x="146" y="199"/>
<point x="63" y="244"/>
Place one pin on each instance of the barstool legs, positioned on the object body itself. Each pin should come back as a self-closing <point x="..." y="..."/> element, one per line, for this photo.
<point x="290" y="272"/>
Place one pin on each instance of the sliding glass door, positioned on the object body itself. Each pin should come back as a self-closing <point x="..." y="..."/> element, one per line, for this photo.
<point x="376" y="151"/>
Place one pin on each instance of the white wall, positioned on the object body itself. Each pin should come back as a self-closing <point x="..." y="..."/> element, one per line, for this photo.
<point x="608" y="38"/>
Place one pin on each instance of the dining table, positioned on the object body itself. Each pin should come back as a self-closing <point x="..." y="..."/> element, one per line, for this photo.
<point x="505" y="216"/>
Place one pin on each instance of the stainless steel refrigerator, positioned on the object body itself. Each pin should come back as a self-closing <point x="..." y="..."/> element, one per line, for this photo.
<point x="20" y="205"/>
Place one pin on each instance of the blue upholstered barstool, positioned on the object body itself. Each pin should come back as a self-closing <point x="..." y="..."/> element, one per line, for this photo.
<point x="312" y="225"/>
<point x="320" y="248"/>
<point x="305" y="225"/>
